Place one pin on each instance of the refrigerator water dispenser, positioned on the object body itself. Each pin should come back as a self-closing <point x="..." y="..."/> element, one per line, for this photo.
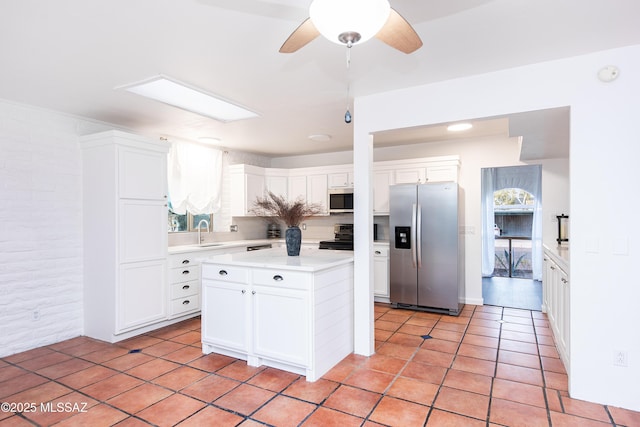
<point x="403" y="238"/>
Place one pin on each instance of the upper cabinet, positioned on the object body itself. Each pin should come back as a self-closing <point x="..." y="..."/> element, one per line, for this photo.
<point x="340" y="179"/>
<point x="247" y="184"/>
<point x="142" y="174"/>
<point x="317" y="191"/>
<point x="312" y="184"/>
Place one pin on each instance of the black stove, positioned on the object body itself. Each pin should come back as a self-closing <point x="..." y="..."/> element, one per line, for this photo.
<point x="337" y="245"/>
<point x="343" y="238"/>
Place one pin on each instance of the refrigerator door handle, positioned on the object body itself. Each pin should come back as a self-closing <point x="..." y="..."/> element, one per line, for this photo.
<point x="418" y="240"/>
<point x="413" y="235"/>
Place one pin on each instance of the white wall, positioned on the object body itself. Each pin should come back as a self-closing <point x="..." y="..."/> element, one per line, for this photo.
<point x="40" y="228"/>
<point x="603" y="175"/>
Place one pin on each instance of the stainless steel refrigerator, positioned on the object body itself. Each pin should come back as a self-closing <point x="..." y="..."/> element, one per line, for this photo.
<point x="427" y="251"/>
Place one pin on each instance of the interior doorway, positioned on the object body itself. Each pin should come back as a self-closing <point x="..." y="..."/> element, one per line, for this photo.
<point x="512" y="235"/>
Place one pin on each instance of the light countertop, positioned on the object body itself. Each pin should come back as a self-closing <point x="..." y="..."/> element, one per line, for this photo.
<point x="560" y="254"/>
<point x="230" y="244"/>
<point x="308" y="260"/>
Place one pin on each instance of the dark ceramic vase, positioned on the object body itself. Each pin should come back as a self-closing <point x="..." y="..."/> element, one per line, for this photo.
<point x="293" y="238"/>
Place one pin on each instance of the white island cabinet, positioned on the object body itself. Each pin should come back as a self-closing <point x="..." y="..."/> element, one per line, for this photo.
<point x="291" y="313"/>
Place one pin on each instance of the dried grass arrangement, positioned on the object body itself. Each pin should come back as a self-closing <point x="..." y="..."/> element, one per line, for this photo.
<point x="292" y="213"/>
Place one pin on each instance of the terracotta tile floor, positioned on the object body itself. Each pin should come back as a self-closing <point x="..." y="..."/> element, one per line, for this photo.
<point x="491" y="366"/>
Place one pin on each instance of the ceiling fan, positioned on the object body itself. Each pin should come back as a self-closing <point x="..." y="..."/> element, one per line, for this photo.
<point x="351" y="22"/>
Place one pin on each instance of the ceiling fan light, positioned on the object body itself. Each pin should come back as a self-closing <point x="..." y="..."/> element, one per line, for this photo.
<point x="335" y="17"/>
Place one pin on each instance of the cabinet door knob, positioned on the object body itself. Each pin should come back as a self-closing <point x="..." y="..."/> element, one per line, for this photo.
<point x="253" y="292"/>
<point x="377" y="252"/>
<point x="185" y="272"/>
<point x="223" y="272"/>
<point x="185" y="302"/>
<point x="185" y="287"/>
<point x="244" y="291"/>
<point x="277" y="278"/>
<point x="185" y="261"/>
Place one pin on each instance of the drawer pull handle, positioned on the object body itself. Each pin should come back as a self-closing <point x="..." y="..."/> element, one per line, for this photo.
<point x="185" y="261"/>
<point x="185" y="272"/>
<point x="185" y="287"/>
<point x="278" y="278"/>
<point x="223" y="272"/>
<point x="185" y="302"/>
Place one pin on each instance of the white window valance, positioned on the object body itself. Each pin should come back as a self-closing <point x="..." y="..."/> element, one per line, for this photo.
<point x="195" y="178"/>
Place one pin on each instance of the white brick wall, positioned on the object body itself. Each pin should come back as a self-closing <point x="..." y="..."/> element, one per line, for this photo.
<point x="40" y="228"/>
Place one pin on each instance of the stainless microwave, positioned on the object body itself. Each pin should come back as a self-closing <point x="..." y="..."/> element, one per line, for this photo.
<point x="340" y="200"/>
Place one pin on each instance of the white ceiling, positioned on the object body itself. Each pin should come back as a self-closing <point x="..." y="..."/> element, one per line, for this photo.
<point x="70" y="55"/>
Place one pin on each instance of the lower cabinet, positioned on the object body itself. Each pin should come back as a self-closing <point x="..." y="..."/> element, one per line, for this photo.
<point x="227" y="308"/>
<point x="556" y="303"/>
<point x="184" y="285"/>
<point x="278" y="318"/>
<point x="381" y="272"/>
<point x="285" y="311"/>
<point x="141" y="294"/>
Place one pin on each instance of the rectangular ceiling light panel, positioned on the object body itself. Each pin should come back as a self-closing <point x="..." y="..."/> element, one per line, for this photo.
<point x="188" y="98"/>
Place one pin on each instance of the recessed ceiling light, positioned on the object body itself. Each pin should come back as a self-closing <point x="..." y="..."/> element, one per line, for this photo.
<point x="181" y="95"/>
<point x="459" y="127"/>
<point x="320" y="137"/>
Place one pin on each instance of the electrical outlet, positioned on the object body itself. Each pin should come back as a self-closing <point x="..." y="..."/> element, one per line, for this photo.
<point x="620" y="358"/>
<point x="36" y="315"/>
<point x="233" y="228"/>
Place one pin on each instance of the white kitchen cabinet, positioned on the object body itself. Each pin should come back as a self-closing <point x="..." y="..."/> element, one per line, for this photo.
<point x="226" y="300"/>
<point x="381" y="182"/>
<point x="381" y="272"/>
<point x="317" y="191"/>
<point x="441" y="173"/>
<point x="409" y="176"/>
<point x="297" y="187"/>
<point x="142" y="174"/>
<point x="124" y="234"/>
<point x="141" y="297"/>
<point x="556" y="301"/>
<point x="340" y="180"/>
<point x="274" y="308"/>
<point x="247" y="184"/>
<point x="184" y="285"/>
<point x="278" y="185"/>
<point x="296" y="320"/>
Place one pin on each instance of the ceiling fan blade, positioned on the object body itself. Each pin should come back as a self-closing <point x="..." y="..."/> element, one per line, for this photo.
<point x="302" y="35"/>
<point x="399" y="34"/>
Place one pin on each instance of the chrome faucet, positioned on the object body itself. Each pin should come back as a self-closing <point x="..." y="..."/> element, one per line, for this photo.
<point x="200" y="228"/>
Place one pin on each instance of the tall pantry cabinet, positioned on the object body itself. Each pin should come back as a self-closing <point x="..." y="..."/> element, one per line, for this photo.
<point x="124" y="233"/>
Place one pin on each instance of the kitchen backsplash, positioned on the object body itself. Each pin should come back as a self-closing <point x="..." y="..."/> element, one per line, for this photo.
<point x="318" y="228"/>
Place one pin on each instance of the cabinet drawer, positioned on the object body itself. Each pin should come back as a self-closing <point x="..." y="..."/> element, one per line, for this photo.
<point x="184" y="305"/>
<point x="185" y="274"/>
<point x="181" y="290"/>
<point x="182" y="260"/>
<point x="380" y="251"/>
<point x="225" y="273"/>
<point x="282" y="278"/>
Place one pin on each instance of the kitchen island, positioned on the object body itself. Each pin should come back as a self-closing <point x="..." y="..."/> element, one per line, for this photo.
<point x="291" y="313"/>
